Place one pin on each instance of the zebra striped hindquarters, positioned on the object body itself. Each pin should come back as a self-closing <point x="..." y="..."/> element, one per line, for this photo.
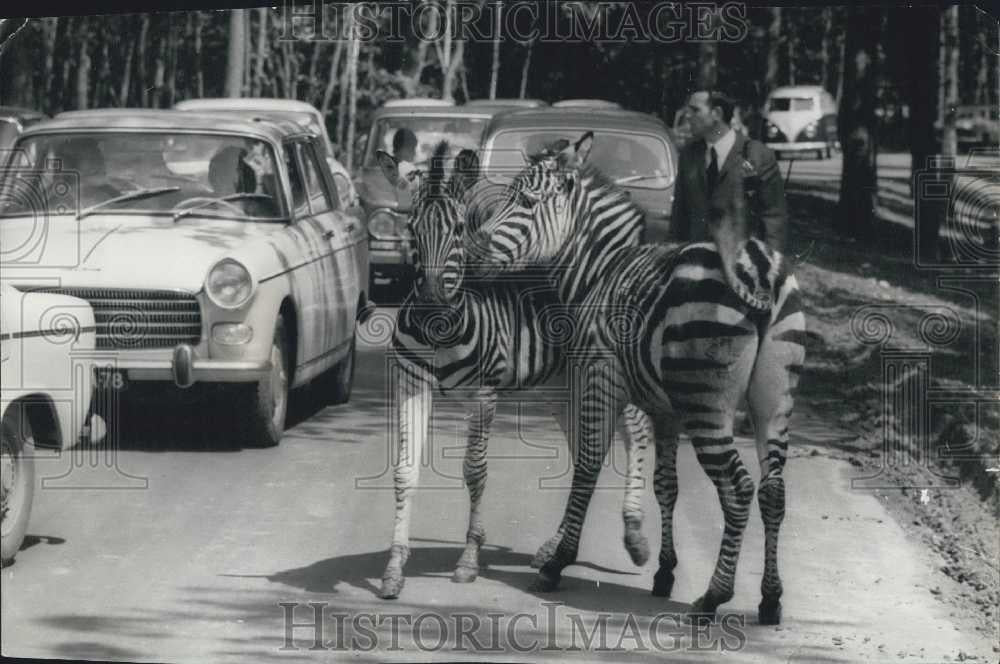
<point x="683" y="332"/>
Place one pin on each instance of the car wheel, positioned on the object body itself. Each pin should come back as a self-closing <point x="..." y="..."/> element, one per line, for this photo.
<point x="263" y="406"/>
<point x="340" y="379"/>
<point x="18" y="476"/>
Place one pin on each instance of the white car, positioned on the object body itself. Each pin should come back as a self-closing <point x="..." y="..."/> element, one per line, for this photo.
<point x="45" y="340"/>
<point x="304" y="114"/>
<point x="210" y="246"/>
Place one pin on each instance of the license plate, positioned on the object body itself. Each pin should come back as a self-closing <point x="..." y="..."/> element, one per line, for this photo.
<point x="115" y="380"/>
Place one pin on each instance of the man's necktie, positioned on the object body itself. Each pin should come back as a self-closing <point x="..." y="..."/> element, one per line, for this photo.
<point x="713" y="170"/>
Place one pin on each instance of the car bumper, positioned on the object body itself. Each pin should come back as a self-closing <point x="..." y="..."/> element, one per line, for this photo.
<point x="800" y="146"/>
<point x="184" y="368"/>
<point x="388" y="253"/>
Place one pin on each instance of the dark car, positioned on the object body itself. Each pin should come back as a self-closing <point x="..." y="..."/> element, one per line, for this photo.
<point x="13" y="121"/>
<point x="385" y="211"/>
<point x="633" y="149"/>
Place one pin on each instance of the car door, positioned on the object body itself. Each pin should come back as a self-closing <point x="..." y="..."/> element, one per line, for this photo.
<point x="339" y="285"/>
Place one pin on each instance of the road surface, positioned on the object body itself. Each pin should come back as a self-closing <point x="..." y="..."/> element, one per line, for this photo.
<point x="185" y="549"/>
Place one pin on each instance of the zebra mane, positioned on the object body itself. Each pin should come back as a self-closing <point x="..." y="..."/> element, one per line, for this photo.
<point x="613" y="192"/>
<point x="435" y="173"/>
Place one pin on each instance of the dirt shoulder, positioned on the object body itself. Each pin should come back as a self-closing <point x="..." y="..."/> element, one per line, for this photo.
<point x="907" y="365"/>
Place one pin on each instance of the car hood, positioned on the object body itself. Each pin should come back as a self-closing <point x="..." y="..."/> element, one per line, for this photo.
<point x="376" y="191"/>
<point x="118" y="250"/>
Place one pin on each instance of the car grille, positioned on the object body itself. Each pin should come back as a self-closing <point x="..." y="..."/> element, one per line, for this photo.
<point x="139" y="319"/>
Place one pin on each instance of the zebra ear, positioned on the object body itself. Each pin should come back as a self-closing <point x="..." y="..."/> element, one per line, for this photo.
<point x="582" y="148"/>
<point x="389" y="166"/>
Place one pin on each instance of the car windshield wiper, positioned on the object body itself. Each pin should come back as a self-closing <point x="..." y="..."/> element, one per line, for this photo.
<point x="222" y="199"/>
<point x="130" y="196"/>
<point x="637" y="178"/>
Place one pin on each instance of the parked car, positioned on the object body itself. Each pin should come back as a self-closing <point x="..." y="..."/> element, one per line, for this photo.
<point x="975" y="125"/>
<point x="305" y="114"/>
<point x="211" y="247"/>
<point x="801" y="118"/>
<point x="386" y="212"/>
<point x="44" y="339"/>
<point x="634" y="149"/>
<point x="13" y="121"/>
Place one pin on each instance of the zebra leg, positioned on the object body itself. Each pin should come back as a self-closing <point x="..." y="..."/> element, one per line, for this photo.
<point x="636" y="432"/>
<point x="547" y="550"/>
<point x="474" y="469"/>
<point x="413" y="395"/>
<point x="601" y="402"/>
<point x="665" y="487"/>
<point x="770" y="397"/>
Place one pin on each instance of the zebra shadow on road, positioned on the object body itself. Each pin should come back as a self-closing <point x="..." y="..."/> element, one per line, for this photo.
<point x="364" y="570"/>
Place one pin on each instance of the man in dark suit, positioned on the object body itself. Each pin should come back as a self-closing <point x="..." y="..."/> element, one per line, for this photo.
<point x="719" y="163"/>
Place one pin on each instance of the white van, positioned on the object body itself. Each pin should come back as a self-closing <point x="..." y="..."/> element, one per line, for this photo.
<point x="801" y="118"/>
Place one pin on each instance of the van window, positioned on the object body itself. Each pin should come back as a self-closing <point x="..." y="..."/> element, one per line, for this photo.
<point x="792" y="104"/>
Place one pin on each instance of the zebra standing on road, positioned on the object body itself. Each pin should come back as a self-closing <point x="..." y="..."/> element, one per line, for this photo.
<point x="479" y="340"/>
<point x="711" y="323"/>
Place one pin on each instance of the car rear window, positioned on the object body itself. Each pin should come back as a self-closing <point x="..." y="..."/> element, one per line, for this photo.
<point x="630" y="158"/>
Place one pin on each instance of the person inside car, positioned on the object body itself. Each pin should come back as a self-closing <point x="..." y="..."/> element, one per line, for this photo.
<point x="234" y="170"/>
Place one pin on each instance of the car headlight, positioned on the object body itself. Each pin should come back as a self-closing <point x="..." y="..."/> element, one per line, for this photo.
<point x="772" y="131"/>
<point x="383" y="225"/>
<point x="810" y="130"/>
<point x="229" y="284"/>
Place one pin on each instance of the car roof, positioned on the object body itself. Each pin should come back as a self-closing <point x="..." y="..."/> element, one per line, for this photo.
<point x="592" y="118"/>
<point x="435" y="111"/>
<point x="586" y="103"/>
<point x="246" y="103"/>
<point x="417" y="101"/>
<point x="20" y="112"/>
<point x="154" y="119"/>
<point x="500" y="102"/>
<point x="792" y="90"/>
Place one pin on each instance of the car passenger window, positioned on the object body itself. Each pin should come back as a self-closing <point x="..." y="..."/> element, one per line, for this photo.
<point x="319" y="198"/>
<point x="300" y="203"/>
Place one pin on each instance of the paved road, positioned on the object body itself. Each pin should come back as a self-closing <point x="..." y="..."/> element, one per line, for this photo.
<point x="191" y="547"/>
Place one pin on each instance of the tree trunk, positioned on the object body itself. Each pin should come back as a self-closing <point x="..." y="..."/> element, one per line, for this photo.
<point x="123" y="90"/>
<point x="141" y="63"/>
<point x="525" y="68"/>
<point x="50" y="27"/>
<point x="345" y="85"/>
<point x="83" y="64"/>
<point x="824" y="52"/>
<point x="257" y="86"/>
<point x="313" y="81"/>
<point x="410" y="74"/>
<point x="842" y="41"/>
<point x="858" y="127"/>
<point x="102" y="91"/>
<point x="234" y="58"/>
<point x="331" y="80"/>
<point x="983" y="71"/>
<point x="917" y="34"/>
<point x="352" y="92"/>
<point x="495" y="74"/>
<point x="949" y="79"/>
<point x="171" y="65"/>
<point x="199" y="74"/>
<point x="65" y="86"/>
<point x="160" y="71"/>
<point x="790" y="47"/>
<point x="17" y="63"/>
<point x="773" y="52"/>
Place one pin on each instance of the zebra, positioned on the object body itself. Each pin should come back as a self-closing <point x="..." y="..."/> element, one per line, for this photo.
<point x="478" y="340"/>
<point x="711" y="322"/>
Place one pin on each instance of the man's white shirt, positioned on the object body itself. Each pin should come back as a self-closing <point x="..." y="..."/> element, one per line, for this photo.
<point x="722" y="148"/>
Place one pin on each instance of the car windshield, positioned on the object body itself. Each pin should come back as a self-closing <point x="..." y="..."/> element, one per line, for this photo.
<point x="791" y="104"/>
<point x="147" y="172"/>
<point x="631" y="158"/>
<point x="425" y="133"/>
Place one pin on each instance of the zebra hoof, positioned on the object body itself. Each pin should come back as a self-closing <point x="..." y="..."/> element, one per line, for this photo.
<point x="663" y="583"/>
<point x="392" y="586"/>
<point x="769" y="612"/>
<point x="545" y="582"/>
<point x="464" y="574"/>
<point x="702" y="611"/>
<point x="545" y="552"/>
<point x="637" y="546"/>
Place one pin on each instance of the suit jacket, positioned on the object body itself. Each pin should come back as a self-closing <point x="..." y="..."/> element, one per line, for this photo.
<point x="761" y="183"/>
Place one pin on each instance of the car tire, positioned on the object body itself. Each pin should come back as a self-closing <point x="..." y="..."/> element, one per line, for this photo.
<point x="18" y="486"/>
<point x="262" y="407"/>
<point x="339" y="379"/>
